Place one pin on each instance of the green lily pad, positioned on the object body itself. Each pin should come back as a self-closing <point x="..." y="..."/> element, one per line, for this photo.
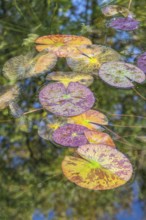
<point x="120" y="74"/>
<point x="100" y="167"/>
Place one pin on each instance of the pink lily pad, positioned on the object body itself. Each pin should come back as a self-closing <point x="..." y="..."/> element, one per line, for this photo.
<point x="70" y="101"/>
<point x="141" y="62"/>
<point x="125" y="24"/>
<point x="70" y="135"/>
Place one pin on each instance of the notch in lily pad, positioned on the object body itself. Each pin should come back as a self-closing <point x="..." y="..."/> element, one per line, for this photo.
<point x="90" y="57"/>
<point x="67" y="77"/>
<point x="25" y="66"/>
<point x="66" y="101"/>
<point x="60" y="45"/>
<point x="121" y="75"/>
<point x="91" y="119"/>
<point x="99" y="168"/>
<point x="70" y="135"/>
<point x="125" y="24"/>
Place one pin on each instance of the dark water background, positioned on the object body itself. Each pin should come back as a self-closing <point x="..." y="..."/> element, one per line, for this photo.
<point x="32" y="185"/>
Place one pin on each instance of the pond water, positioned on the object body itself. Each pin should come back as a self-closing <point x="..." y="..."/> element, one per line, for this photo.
<point x="32" y="185"/>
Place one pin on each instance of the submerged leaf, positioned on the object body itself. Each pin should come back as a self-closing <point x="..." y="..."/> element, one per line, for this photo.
<point x="90" y="57"/>
<point x="100" y="168"/>
<point x="48" y="125"/>
<point x="67" y="77"/>
<point x="70" y="135"/>
<point x="141" y="62"/>
<point x="125" y="24"/>
<point x="15" y="109"/>
<point x="8" y="94"/>
<point x="90" y="119"/>
<point x="112" y="10"/>
<point x="120" y="74"/>
<point x="61" y="45"/>
<point x="25" y="66"/>
<point x="70" y="101"/>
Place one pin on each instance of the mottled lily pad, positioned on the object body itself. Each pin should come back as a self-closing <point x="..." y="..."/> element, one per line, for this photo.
<point x="67" y="77"/>
<point x="120" y="74"/>
<point x="111" y="10"/>
<point x="8" y="94"/>
<point x="70" y="101"/>
<point x="90" y="119"/>
<point x="48" y="125"/>
<point x="141" y="62"/>
<point x="98" y="137"/>
<point x="103" y="167"/>
<point x="70" y="135"/>
<point x="25" y="66"/>
<point x="61" y="45"/>
<point x="90" y="57"/>
<point x="125" y="24"/>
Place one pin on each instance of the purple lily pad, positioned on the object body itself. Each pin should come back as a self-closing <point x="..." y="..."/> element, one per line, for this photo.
<point x="141" y="62"/>
<point x="120" y="74"/>
<point x="70" y="101"/>
<point x="70" y="135"/>
<point x="125" y="24"/>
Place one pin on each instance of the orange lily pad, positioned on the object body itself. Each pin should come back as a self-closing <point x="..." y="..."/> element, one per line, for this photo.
<point x="67" y="77"/>
<point x="61" y="45"/>
<point x="97" y="137"/>
<point x="90" y="57"/>
<point x="25" y="66"/>
<point x="99" y="168"/>
<point x="90" y="119"/>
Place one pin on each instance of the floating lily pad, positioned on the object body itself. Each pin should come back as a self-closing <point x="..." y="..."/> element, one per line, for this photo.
<point x="70" y="135"/>
<point x="90" y="57"/>
<point x="98" y="137"/>
<point x="141" y="62"/>
<point x="125" y="24"/>
<point x="48" y="125"/>
<point x="112" y="10"/>
<point x="120" y="74"/>
<point x="70" y="101"/>
<point x="103" y="167"/>
<point x="25" y="66"/>
<point x="8" y="94"/>
<point x="61" y="45"/>
<point x="90" y="119"/>
<point x="67" y="77"/>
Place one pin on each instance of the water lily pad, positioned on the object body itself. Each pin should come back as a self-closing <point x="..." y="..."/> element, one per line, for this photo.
<point x="48" y="125"/>
<point x="70" y="101"/>
<point x="90" y="57"/>
<point x="67" y="77"/>
<point x="141" y="62"/>
<point x="90" y="119"/>
<point x="61" y="45"/>
<point x="111" y="10"/>
<point x="100" y="168"/>
<point x="98" y="137"/>
<point x="70" y="135"/>
<point x="125" y="24"/>
<point x="120" y="74"/>
<point x="8" y="94"/>
<point x="25" y="66"/>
